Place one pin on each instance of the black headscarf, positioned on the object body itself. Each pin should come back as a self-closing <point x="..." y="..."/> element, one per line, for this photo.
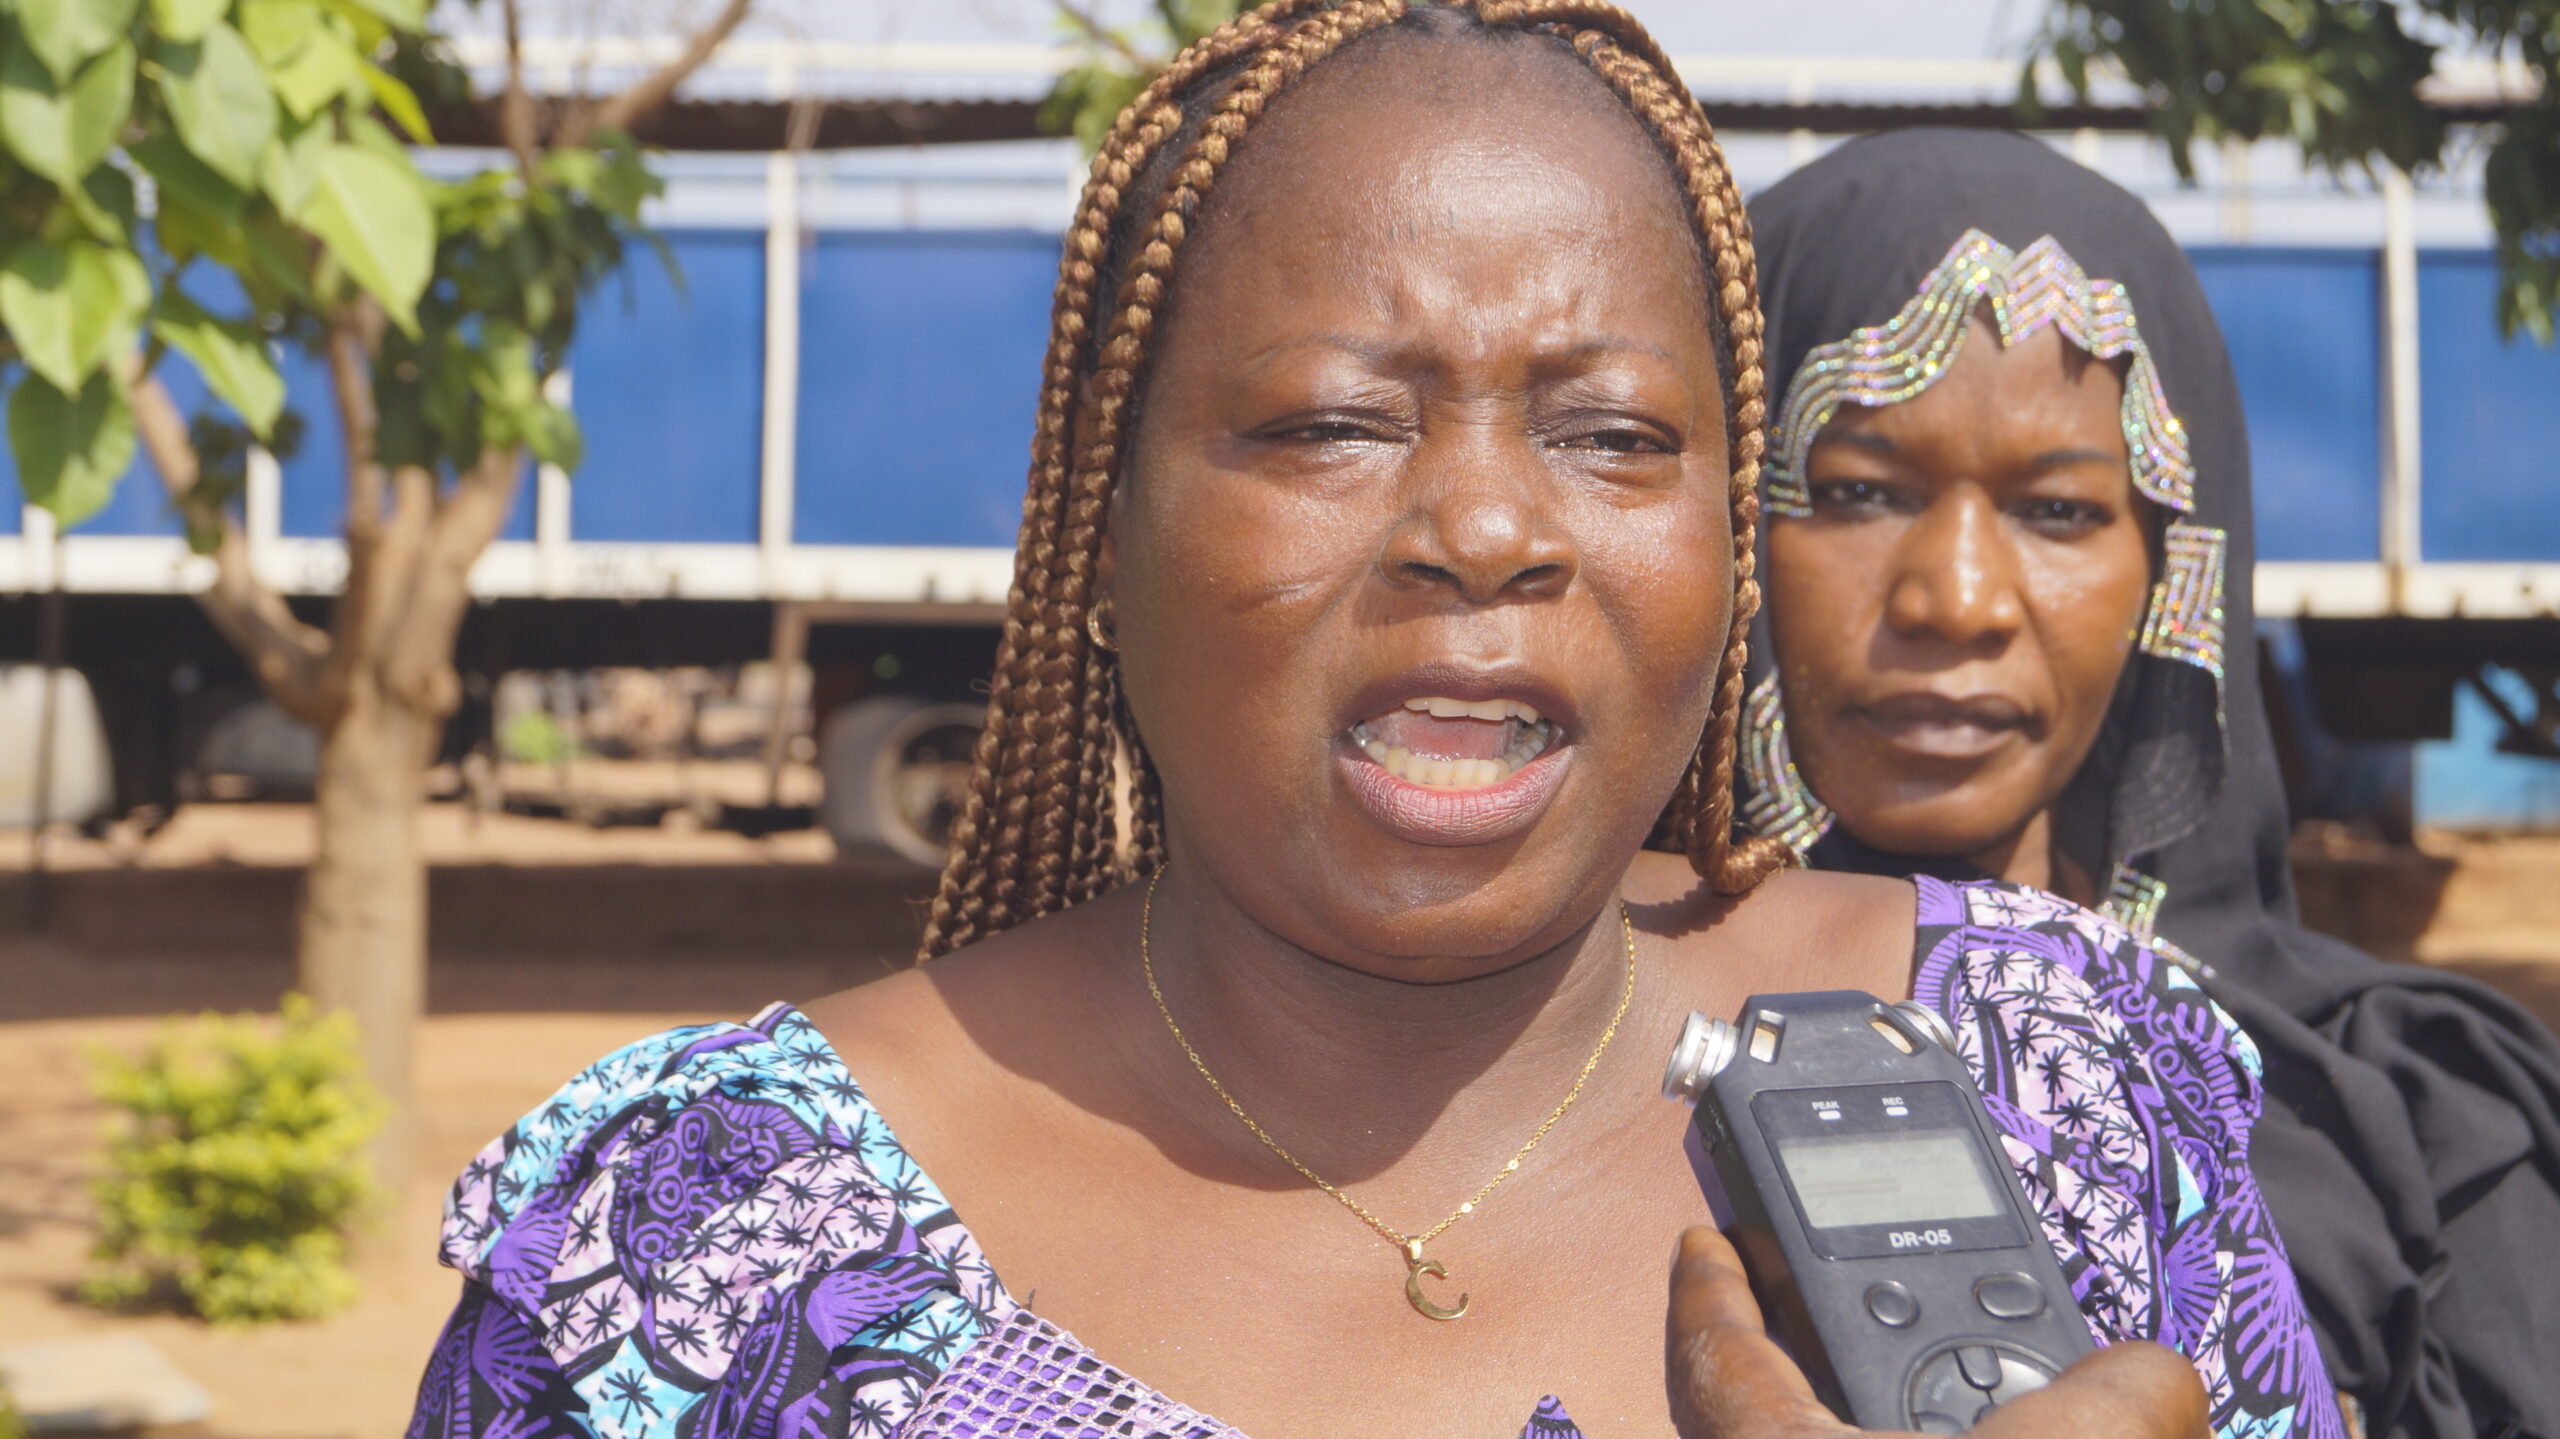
<point x="2410" y="1148"/>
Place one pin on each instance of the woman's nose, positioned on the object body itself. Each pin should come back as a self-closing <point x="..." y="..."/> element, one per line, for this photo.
<point x="1956" y="576"/>
<point x="1479" y="520"/>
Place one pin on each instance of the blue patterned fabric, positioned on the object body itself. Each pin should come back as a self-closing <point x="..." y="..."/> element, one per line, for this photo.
<point x="711" y="1234"/>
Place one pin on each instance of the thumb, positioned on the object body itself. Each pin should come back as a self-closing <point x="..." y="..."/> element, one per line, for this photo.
<point x="2133" y="1389"/>
<point x="1727" y="1378"/>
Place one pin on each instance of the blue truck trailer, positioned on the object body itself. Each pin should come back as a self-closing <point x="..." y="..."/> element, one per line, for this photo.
<point x="811" y="448"/>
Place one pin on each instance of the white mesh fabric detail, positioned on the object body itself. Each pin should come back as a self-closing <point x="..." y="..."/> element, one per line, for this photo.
<point x="1029" y="1379"/>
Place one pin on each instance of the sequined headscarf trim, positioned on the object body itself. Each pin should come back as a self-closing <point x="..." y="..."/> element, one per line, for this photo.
<point x="2026" y="290"/>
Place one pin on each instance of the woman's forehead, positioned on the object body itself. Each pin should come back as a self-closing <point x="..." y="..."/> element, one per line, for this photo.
<point x="1426" y="140"/>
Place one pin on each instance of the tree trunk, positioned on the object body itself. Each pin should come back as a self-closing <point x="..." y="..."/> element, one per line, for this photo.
<point x="364" y="902"/>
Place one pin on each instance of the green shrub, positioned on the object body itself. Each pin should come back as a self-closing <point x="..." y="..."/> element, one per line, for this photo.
<point x="236" y="1168"/>
<point x="11" y="1426"/>
<point x="537" y="737"/>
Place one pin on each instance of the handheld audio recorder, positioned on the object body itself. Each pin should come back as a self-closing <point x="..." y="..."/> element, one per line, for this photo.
<point x="1885" y="1232"/>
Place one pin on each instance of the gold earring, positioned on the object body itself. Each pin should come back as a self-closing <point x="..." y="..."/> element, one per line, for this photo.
<point x="1097" y="627"/>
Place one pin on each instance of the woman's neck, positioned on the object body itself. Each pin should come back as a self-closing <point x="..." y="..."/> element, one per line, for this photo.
<point x="2031" y="857"/>
<point x="1352" y="1070"/>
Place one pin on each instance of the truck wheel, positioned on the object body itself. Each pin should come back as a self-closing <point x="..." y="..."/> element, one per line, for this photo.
<point x="896" y="771"/>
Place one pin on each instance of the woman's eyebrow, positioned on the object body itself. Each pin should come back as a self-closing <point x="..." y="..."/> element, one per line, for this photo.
<point x="1605" y="344"/>
<point x="1872" y="443"/>
<point x="1375" y="353"/>
<point x="2071" y="455"/>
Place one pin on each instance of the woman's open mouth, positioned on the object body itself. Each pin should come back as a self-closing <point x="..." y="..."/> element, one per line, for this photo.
<point x="1488" y="742"/>
<point x="1437" y="769"/>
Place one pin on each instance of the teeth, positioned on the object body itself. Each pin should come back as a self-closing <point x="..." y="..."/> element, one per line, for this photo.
<point x="1438" y="773"/>
<point x="1441" y="707"/>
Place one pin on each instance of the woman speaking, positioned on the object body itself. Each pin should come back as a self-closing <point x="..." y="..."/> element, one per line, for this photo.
<point x="1388" y="545"/>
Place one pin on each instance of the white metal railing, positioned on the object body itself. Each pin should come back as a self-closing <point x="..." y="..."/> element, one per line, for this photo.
<point x="554" y="563"/>
<point x="551" y="59"/>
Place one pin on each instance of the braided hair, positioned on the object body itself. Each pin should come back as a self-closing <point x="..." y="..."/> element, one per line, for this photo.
<point x="1039" y="831"/>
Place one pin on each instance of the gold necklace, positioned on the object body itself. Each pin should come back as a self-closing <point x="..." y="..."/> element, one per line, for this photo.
<point x="1410" y="1245"/>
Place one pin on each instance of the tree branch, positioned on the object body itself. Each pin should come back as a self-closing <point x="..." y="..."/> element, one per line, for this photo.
<point x="1104" y="35"/>
<point x="627" y="109"/>
<point x="417" y="649"/>
<point x="288" y="656"/>
<point x="352" y="333"/>
<point x="515" y="108"/>
<point x="375" y="573"/>
<point x="478" y="507"/>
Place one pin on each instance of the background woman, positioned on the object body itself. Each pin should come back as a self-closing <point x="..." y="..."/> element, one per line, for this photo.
<point x="1392" y="534"/>
<point x="2009" y="546"/>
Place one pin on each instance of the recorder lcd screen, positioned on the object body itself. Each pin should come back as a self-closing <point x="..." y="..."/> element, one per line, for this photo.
<point x="1888" y="1178"/>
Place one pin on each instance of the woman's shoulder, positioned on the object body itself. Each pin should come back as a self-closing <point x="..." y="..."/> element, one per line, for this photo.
<point x="1818" y="929"/>
<point x="699" y="1197"/>
<point x="2026" y="964"/>
<point x="2127" y="1097"/>
<point x="2015" y="930"/>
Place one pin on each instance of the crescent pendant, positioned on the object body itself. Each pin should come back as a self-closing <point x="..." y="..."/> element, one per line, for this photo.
<point x="1422" y="1305"/>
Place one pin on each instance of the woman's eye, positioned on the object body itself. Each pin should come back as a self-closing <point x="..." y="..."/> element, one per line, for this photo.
<point x="1854" y="496"/>
<point x="1617" y="442"/>
<point x="1326" y="432"/>
<point x="2063" y="518"/>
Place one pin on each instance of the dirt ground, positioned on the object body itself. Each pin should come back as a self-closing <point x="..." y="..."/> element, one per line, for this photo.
<point x="662" y="926"/>
<point x="350" y="1377"/>
<point x="516" y="1011"/>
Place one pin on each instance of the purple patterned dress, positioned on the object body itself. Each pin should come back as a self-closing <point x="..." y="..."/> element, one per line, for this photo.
<point x="712" y="1234"/>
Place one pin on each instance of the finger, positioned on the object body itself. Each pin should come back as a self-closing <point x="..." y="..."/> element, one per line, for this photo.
<point x="2136" y="1390"/>
<point x="1728" y="1379"/>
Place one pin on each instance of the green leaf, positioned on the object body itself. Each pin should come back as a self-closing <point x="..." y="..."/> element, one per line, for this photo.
<point x="279" y="254"/>
<point x="105" y="205"/>
<point x="62" y="131"/>
<point x="373" y="215"/>
<point x="278" y="29"/>
<point x="291" y="170"/>
<point x="186" y="21"/>
<point x="176" y="171"/>
<point x="71" y="307"/>
<point x="320" y="71"/>
<point x="232" y="357"/>
<point x="405" y="15"/>
<point x="71" y="449"/>
<point x="551" y="433"/>
<point x="186" y="230"/>
<point x="64" y="34"/>
<point x="399" y="102"/>
<point x="219" y="98"/>
<point x="367" y="133"/>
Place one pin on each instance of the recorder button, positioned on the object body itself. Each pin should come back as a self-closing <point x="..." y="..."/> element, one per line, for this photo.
<point x="2009" y="1296"/>
<point x="1939" y="1387"/>
<point x="2020" y="1375"/>
<point x="1892" y="1305"/>
<point x="1981" y="1365"/>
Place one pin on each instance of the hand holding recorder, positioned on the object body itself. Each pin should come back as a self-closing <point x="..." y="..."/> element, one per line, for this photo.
<point x="1874" y="1211"/>
<point x="1730" y="1380"/>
